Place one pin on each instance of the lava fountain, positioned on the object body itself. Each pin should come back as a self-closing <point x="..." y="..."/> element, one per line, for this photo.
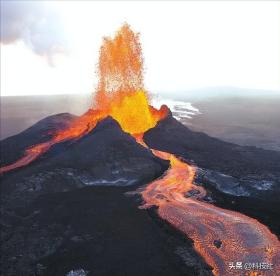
<point x="220" y="236"/>
<point x="120" y="94"/>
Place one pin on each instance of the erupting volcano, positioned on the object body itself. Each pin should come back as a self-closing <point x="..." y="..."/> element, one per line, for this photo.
<point x="120" y="94"/>
<point x="220" y="236"/>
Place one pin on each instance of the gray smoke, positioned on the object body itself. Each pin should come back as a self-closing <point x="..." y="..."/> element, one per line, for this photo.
<point x="36" y="24"/>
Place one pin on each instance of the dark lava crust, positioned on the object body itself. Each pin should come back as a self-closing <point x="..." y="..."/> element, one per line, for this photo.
<point x="234" y="176"/>
<point x="97" y="229"/>
<point x="67" y="211"/>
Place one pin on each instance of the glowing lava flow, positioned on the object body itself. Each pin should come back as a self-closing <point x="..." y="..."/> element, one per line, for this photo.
<point x="220" y="236"/>
<point x="79" y="127"/>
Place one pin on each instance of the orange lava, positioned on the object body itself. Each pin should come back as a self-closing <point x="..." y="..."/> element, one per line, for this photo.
<point x="79" y="127"/>
<point x="120" y="91"/>
<point x="242" y="238"/>
<point x="120" y="94"/>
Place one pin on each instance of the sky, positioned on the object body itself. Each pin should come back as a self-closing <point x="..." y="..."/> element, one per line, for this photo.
<point x="52" y="47"/>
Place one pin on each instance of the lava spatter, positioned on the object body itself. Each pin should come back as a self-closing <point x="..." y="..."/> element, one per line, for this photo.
<point x="120" y="94"/>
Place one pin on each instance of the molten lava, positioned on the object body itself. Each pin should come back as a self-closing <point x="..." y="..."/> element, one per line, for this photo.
<point x="240" y="238"/>
<point x="121" y="95"/>
<point x="121" y="90"/>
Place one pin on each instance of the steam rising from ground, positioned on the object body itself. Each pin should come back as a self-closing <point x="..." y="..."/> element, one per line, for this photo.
<point x="180" y="109"/>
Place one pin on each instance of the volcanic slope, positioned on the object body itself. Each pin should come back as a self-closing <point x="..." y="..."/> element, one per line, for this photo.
<point x="12" y="148"/>
<point x="67" y="211"/>
<point x="240" y="178"/>
<point x="207" y="152"/>
<point x="105" y="155"/>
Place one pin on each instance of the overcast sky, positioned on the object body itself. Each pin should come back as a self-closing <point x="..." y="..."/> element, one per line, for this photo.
<point x="52" y="47"/>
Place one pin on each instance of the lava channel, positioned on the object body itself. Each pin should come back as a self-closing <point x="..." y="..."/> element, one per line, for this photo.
<point x="220" y="236"/>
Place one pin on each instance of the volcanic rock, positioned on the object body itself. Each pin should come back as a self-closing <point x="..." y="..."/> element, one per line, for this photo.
<point x="106" y="156"/>
<point x="67" y="213"/>
<point x="240" y="178"/>
<point x="12" y="148"/>
<point x="59" y="218"/>
<point x="172" y="136"/>
<point x="96" y="229"/>
<point x="218" y="243"/>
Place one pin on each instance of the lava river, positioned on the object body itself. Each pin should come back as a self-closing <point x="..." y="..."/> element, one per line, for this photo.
<point x="220" y="236"/>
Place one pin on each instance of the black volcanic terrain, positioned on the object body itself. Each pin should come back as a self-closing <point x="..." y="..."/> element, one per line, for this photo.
<point x="74" y="207"/>
<point x="68" y="209"/>
<point x="242" y="178"/>
<point x="207" y="152"/>
<point x="13" y="147"/>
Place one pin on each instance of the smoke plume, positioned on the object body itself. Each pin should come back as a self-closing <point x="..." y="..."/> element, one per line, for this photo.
<point x="36" y="24"/>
